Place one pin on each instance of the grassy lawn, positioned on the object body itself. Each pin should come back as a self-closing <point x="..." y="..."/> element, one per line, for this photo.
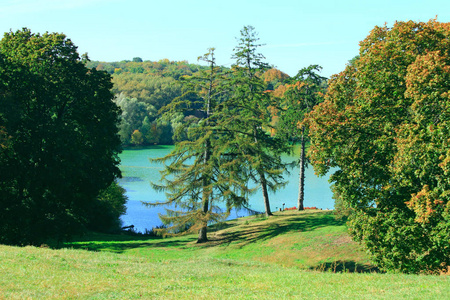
<point x="289" y="256"/>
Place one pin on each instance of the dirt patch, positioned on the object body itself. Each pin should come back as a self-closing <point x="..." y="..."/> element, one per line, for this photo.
<point x="343" y="239"/>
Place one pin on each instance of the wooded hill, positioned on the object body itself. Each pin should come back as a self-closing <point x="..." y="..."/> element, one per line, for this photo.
<point x="142" y="88"/>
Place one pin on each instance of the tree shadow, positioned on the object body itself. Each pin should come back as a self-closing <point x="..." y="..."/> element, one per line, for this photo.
<point x="268" y="230"/>
<point x="253" y="230"/>
<point x="118" y="243"/>
<point x="120" y="247"/>
<point x="346" y="267"/>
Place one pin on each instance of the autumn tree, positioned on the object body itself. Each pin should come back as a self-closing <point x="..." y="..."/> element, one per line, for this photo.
<point x="274" y="78"/>
<point x="384" y="126"/>
<point x="303" y="93"/>
<point x="61" y="146"/>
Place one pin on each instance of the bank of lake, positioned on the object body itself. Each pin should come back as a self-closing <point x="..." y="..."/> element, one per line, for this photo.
<point x="138" y="171"/>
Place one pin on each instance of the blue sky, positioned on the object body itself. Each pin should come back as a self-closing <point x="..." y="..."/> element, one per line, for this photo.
<point x="295" y="33"/>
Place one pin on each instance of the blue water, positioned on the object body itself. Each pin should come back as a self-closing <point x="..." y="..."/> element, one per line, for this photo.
<point x="138" y="172"/>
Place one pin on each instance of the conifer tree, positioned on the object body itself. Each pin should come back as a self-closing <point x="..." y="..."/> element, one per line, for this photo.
<point x="248" y="118"/>
<point x="195" y="179"/>
<point x="301" y="95"/>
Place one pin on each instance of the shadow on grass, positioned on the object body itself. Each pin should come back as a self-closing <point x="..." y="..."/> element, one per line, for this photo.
<point x="345" y="267"/>
<point x="267" y="230"/>
<point x="238" y="233"/>
<point x="119" y="243"/>
<point x="121" y="246"/>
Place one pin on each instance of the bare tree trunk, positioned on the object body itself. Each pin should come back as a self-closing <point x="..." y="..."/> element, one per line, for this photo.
<point x="202" y="233"/>
<point x="202" y="237"/>
<point x="265" y="194"/>
<point x="301" y="183"/>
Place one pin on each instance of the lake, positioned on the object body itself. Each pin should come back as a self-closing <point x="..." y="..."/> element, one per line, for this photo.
<point x="138" y="172"/>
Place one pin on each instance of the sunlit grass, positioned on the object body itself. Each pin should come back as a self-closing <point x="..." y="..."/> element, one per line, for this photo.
<point x="289" y="256"/>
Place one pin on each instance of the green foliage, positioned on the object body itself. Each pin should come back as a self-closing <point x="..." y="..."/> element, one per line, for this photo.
<point x="224" y="141"/>
<point x="61" y="144"/>
<point x="303" y="93"/>
<point x="142" y="88"/>
<point x="247" y="118"/>
<point x="161" y="68"/>
<point x="110" y="204"/>
<point x="137" y="138"/>
<point x="384" y="124"/>
<point x="142" y="117"/>
<point x="146" y="88"/>
<point x="196" y="178"/>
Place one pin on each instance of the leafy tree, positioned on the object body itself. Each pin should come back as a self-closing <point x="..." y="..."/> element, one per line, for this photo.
<point x="151" y="90"/>
<point x="139" y="116"/>
<point x="196" y="178"/>
<point x="151" y="131"/>
<point x="63" y="145"/>
<point x="300" y="97"/>
<point x="106" y="210"/>
<point x="137" y="138"/>
<point x="248" y="118"/>
<point x="274" y="78"/>
<point x="384" y="124"/>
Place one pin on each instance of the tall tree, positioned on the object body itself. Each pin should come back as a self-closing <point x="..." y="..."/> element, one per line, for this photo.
<point x="63" y="143"/>
<point x="384" y="125"/>
<point x="303" y="93"/>
<point x="249" y="117"/>
<point x="196" y="178"/>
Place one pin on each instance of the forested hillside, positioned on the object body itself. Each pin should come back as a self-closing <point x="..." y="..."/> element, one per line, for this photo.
<point x="142" y="88"/>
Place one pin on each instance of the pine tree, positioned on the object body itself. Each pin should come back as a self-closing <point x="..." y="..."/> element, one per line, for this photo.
<point x="195" y="179"/>
<point x="301" y="95"/>
<point x="248" y="118"/>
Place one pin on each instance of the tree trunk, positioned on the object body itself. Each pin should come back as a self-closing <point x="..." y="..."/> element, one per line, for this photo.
<point x="202" y="234"/>
<point x="301" y="183"/>
<point x="206" y="189"/>
<point x="265" y="194"/>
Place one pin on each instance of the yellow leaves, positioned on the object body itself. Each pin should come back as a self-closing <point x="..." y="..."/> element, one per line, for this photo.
<point x="444" y="165"/>
<point x="425" y="204"/>
<point x="279" y="91"/>
<point x="274" y="75"/>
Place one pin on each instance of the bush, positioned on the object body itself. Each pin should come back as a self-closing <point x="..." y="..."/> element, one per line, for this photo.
<point x="106" y="210"/>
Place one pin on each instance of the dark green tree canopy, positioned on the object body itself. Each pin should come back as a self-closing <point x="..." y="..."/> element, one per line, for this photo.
<point x="63" y="144"/>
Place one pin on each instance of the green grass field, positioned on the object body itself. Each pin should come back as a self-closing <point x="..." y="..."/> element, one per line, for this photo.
<point x="289" y="256"/>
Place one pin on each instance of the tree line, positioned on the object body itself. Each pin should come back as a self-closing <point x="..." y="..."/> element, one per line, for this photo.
<point x="141" y="94"/>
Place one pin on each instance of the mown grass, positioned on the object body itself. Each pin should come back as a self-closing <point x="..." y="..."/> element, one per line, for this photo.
<point x="289" y="256"/>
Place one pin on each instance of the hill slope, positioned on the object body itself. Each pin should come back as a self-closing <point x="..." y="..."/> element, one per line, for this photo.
<point x="247" y="258"/>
